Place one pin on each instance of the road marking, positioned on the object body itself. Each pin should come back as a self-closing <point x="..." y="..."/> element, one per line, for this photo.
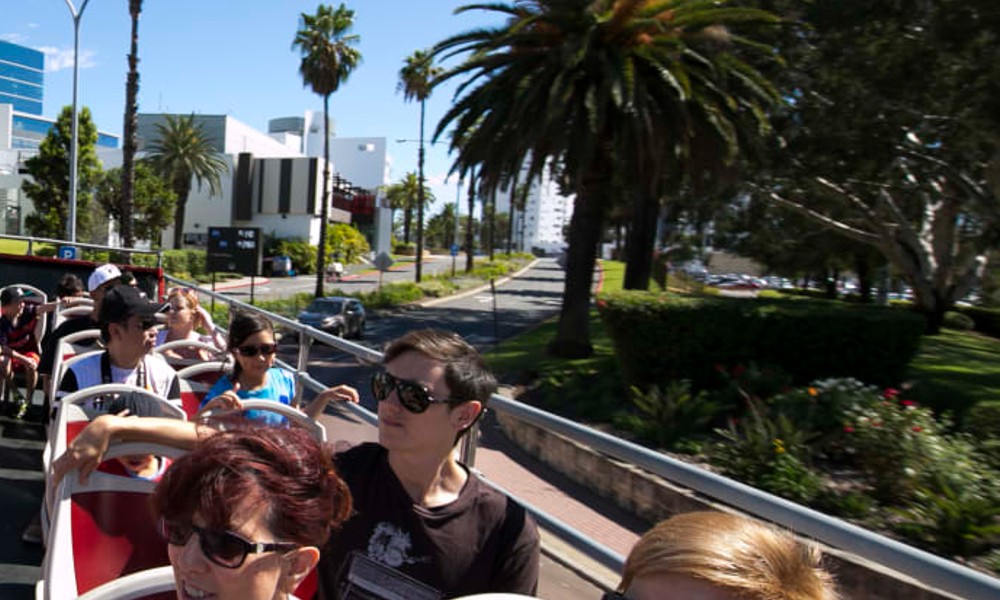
<point x="483" y="299"/>
<point x="15" y="444"/>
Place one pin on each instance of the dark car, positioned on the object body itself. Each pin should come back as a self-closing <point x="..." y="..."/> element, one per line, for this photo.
<point x="336" y="315"/>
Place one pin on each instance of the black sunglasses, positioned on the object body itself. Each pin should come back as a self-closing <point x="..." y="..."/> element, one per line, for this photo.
<point x="251" y="351"/>
<point x="413" y="396"/>
<point x="614" y="596"/>
<point x="224" y="548"/>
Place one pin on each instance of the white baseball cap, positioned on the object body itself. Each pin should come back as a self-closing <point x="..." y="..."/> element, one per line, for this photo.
<point x="102" y="275"/>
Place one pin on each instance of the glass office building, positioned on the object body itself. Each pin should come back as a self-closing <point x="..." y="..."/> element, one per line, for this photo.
<point x="22" y="77"/>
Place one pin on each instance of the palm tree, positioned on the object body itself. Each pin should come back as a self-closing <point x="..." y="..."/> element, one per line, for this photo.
<point x="415" y="81"/>
<point x="406" y="195"/>
<point x="181" y="151"/>
<point x="328" y="59"/>
<point x="588" y="88"/>
<point x="129" y="142"/>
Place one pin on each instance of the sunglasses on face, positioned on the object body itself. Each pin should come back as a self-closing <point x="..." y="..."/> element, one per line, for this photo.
<point x="614" y="596"/>
<point x="250" y="351"/>
<point x="413" y="396"/>
<point x="224" y="548"/>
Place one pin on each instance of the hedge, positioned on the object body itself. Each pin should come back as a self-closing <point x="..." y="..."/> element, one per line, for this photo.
<point x="987" y="320"/>
<point x="659" y="338"/>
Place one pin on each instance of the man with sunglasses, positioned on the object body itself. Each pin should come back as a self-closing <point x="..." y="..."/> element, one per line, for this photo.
<point x="128" y="325"/>
<point x="419" y="515"/>
<point x="418" y="510"/>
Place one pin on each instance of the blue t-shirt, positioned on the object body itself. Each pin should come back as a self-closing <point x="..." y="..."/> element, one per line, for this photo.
<point x="279" y="386"/>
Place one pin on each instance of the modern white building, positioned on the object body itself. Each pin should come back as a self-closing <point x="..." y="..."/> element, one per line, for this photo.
<point x="542" y="227"/>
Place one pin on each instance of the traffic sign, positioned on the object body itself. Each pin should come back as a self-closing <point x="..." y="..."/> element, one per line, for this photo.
<point x="454" y="249"/>
<point x="67" y="252"/>
<point x="234" y="250"/>
<point x="383" y="261"/>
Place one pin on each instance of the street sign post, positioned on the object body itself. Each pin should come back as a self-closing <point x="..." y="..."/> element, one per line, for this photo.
<point x="382" y="262"/>
<point x="235" y="250"/>
<point x="67" y="252"/>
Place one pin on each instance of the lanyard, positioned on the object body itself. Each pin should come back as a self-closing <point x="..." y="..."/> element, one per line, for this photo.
<point x="141" y="378"/>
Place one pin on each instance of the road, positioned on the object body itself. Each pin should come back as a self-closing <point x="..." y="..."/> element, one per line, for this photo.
<point x="484" y="318"/>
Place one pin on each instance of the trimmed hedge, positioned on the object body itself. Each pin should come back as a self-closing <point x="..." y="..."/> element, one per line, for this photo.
<point x="659" y="338"/>
<point x="987" y="320"/>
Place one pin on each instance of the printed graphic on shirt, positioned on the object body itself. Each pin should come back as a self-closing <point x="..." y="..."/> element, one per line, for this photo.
<point x="392" y="546"/>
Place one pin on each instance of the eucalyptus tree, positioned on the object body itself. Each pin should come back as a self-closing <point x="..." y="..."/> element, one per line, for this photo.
<point x="181" y="151"/>
<point x="329" y="56"/>
<point x="415" y="81"/>
<point x="588" y="87"/>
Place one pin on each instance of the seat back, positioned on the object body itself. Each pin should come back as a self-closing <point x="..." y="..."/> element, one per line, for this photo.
<point x="180" y="354"/>
<point x="65" y="349"/>
<point x="82" y="308"/>
<point x="102" y="530"/>
<point x="294" y="415"/>
<point x="196" y="380"/>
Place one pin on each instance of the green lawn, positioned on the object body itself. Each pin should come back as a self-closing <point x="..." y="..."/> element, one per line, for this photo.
<point x="956" y="370"/>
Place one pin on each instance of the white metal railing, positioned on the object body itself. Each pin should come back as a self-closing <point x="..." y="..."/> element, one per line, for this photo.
<point x="933" y="571"/>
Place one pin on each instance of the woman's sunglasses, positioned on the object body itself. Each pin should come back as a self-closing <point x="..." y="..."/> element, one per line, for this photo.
<point x="413" y="396"/>
<point x="224" y="548"/>
<point x="250" y="351"/>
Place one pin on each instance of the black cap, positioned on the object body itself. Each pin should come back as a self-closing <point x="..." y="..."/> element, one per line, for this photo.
<point x="11" y="294"/>
<point x="124" y="301"/>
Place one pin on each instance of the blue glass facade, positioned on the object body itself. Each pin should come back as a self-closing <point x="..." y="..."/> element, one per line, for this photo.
<point x="21" y="77"/>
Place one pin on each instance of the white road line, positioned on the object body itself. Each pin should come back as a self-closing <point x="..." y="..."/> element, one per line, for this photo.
<point x="21" y="475"/>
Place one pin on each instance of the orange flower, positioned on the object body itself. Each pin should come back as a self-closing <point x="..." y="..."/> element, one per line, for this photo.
<point x="813" y="391"/>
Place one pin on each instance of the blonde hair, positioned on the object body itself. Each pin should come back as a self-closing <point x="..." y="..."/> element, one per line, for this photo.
<point x="756" y="561"/>
<point x="191" y="297"/>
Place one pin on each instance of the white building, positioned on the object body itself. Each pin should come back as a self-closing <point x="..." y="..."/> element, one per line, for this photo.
<point x="541" y="227"/>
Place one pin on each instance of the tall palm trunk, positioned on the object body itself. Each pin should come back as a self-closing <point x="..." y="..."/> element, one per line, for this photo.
<point x="324" y="210"/>
<point x="407" y="219"/>
<point x="128" y="143"/>
<point x="573" y="331"/>
<point x="641" y="240"/>
<point x="469" y="239"/>
<point x="182" y="188"/>
<point x="420" y="198"/>
<point x="510" y="213"/>
<point x="493" y="222"/>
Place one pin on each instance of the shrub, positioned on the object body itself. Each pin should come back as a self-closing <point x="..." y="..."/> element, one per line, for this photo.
<point x="956" y="320"/>
<point x="405" y="248"/>
<point x="659" y="337"/>
<point x="949" y="521"/>
<point x="983" y="419"/>
<point x="891" y="444"/>
<point x="768" y="453"/>
<point x="302" y="254"/>
<point x="987" y="320"/>
<point x="671" y="413"/>
<point x="392" y="294"/>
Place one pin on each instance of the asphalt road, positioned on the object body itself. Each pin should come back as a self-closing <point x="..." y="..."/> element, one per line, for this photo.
<point x="484" y="318"/>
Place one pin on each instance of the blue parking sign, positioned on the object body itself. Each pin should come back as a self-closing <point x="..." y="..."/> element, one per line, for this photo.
<point x="454" y="249"/>
<point x="67" y="252"/>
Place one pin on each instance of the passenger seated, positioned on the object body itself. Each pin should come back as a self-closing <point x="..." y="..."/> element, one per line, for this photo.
<point x="254" y="376"/>
<point x="720" y="556"/>
<point x="185" y="316"/>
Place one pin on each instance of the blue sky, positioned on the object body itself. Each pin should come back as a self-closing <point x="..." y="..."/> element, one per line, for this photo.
<point x="235" y="57"/>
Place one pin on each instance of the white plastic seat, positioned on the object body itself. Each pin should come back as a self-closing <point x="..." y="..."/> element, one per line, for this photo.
<point x="102" y="530"/>
<point x="66" y="348"/>
<point x="294" y="415"/>
<point x="196" y="380"/>
<point x="82" y="308"/>
<point x="189" y="345"/>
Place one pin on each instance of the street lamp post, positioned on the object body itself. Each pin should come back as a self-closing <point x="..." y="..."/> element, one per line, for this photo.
<point x="75" y="141"/>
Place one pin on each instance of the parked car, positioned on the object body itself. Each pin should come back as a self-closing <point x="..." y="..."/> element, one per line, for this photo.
<point x="335" y="314"/>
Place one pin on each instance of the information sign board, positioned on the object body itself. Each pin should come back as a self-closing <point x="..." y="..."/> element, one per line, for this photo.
<point x="235" y="250"/>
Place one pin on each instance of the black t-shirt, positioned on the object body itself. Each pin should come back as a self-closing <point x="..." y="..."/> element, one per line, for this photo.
<point x="50" y="343"/>
<point x="482" y="542"/>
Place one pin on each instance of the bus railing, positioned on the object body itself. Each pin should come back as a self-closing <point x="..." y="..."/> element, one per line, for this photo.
<point x="32" y="241"/>
<point x="931" y="570"/>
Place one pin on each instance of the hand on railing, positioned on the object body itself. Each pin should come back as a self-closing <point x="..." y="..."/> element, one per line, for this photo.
<point x="340" y="393"/>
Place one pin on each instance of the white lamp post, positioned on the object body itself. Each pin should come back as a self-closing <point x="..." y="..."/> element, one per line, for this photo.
<point x="74" y="145"/>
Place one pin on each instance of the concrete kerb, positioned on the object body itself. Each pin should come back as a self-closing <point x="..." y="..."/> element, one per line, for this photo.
<point x="476" y="290"/>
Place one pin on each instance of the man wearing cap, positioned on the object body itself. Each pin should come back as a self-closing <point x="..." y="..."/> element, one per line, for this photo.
<point x="128" y="325"/>
<point x="100" y="281"/>
<point x="19" y="350"/>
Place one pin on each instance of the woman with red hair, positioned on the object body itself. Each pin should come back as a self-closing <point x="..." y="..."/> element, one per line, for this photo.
<point x="245" y="513"/>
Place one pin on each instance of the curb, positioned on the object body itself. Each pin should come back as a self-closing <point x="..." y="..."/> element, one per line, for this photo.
<point x="475" y="290"/>
<point x="257" y="281"/>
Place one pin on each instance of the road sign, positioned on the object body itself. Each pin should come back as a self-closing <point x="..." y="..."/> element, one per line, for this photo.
<point x="454" y="249"/>
<point x="235" y="250"/>
<point x="67" y="252"/>
<point x="383" y="261"/>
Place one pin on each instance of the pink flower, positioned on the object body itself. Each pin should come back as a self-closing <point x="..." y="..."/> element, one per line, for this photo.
<point x="890" y="393"/>
<point x="848" y="429"/>
<point x="602" y="304"/>
<point x="907" y="402"/>
<point x="918" y="429"/>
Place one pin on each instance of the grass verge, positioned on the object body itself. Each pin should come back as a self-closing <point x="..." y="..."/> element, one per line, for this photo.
<point x="956" y="370"/>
